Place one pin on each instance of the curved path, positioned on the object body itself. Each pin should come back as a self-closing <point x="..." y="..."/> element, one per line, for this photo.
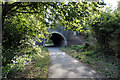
<point x="64" y="66"/>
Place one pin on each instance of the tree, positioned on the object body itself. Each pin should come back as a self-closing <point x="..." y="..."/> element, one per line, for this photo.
<point x="104" y="25"/>
<point x="118" y="6"/>
<point x="25" y="22"/>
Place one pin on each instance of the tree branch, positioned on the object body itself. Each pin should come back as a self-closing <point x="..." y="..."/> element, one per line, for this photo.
<point x="7" y="7"/>
<point x="26" y="12"/>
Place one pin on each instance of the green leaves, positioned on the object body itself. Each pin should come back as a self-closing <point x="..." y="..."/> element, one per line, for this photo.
<point x="20" y="33"/>
<point x="104" y="24"/>
<point x="29" y="22"/>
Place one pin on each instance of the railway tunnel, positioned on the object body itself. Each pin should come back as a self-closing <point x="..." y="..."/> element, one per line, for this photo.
<point x="58" y="39"/>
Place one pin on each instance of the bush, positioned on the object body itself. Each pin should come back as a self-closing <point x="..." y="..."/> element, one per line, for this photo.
<point x="104" y="26"/>
<point x="90" y="53"/>
<point x="78" y="57"/>
<point x="77" y="47"/>
<point x="19" y="61"/>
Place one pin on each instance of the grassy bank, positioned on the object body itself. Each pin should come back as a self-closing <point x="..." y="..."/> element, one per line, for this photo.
<point x="104" y="64"/>
<point x="37" y="68"/>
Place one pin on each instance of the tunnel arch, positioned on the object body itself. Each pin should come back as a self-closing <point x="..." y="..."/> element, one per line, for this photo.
<point x="57" y="36"/>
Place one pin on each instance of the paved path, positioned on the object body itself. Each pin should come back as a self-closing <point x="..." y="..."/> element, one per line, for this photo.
<point x="64" y="66"/>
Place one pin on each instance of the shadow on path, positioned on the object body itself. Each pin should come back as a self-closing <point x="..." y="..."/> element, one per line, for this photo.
<point x="64" y="66"/>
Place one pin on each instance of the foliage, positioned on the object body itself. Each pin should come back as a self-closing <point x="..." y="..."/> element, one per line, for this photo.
<point x="36" y="68"/>
<point x="77" y="47"/>
<point x="19" y="33"/>
<point x="18" y="62"/>
<point x="73" y="15"/>
<point x="80" y="47"/>
<point x="49" y="41"/>
<point x="118" y="7"/>
<point x="104" y="25"/>
<point x="25" y="22"/>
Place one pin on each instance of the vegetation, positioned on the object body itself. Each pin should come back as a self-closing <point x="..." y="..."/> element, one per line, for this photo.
<point x="104" y="64"/>
<point x="23" y="23"/>
<point x="37" y="68"/>
<point x="49" y="42"/>
<point x="105" y="26"/>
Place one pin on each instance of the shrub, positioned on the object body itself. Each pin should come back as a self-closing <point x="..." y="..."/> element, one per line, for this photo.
<point x="78" y="47"/>
<point x="78" y="57"/>
<point x="89" y="53"/>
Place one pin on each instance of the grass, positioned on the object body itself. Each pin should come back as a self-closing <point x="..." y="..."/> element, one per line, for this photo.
<point x="106" y="65"/>
<point x="37" y="68"/>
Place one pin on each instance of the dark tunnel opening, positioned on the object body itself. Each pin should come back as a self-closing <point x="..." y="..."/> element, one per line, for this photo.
<point x="57" y="39"/>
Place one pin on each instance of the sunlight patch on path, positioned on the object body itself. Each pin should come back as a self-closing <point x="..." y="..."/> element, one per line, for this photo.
<point x="64" y="66"/>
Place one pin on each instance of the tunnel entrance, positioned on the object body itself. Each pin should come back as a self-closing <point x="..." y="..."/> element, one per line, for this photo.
<point x="58" y="39"/>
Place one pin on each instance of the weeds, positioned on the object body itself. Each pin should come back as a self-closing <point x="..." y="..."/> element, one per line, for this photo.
<point x="107" y="65"/>
<point x="37" y="68"/>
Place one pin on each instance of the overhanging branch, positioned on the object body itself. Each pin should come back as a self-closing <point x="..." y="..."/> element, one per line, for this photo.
<point x="27" y="12"/>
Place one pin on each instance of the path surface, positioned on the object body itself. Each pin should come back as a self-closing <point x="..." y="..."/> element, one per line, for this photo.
<point x="64" y="66"/>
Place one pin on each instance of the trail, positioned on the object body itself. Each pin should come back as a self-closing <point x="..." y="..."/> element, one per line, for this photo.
<point x="64" y="66"/>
